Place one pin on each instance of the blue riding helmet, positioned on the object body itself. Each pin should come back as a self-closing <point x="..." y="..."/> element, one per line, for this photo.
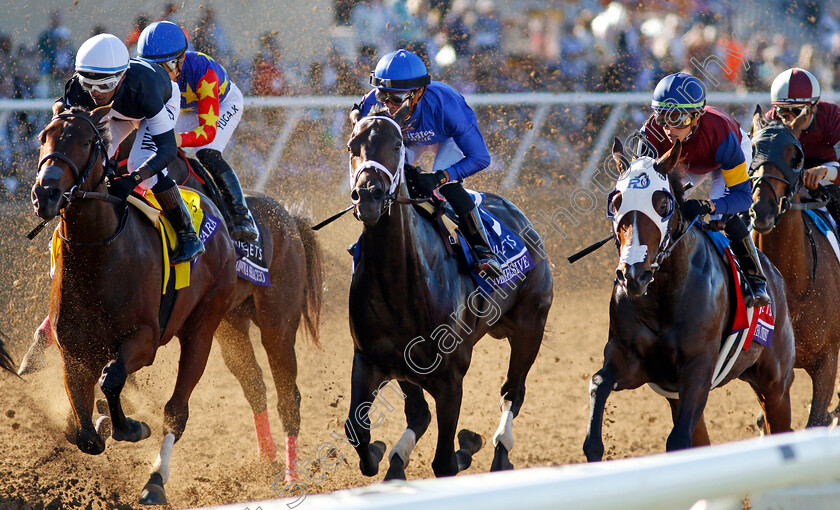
<point x="400" y="70"/>
<point x="161" y="41"/>
<point x="679" y="92"/>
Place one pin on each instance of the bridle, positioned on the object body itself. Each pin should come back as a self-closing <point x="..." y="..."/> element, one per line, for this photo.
<point x="75" y="193"/>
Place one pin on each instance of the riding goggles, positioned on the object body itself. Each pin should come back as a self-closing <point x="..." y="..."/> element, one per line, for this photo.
<point x="789" y="110"/>
<point x="102" y="85"/>
<point x="390" y="96"/>
<point x="673" y="118"/>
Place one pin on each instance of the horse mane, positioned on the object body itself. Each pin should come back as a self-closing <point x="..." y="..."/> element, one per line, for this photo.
<point x="104" y="131"/>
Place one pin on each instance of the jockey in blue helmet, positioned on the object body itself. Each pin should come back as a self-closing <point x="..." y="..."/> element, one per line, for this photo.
<point x="713" y="145"/>
<point x="211" y="108"/>
<point x="442" y="123"/>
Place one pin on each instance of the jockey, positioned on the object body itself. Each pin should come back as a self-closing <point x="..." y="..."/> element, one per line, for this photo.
<point x="795" y="94"/>
<point x="211" y="108"/>
<point x="713" y="145"/>
<point x="141" y="96"/>
<point x="442" y="123"/>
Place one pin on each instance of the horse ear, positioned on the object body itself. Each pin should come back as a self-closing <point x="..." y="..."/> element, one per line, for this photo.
<point x="355" y="114"/>
<point x="667" y="162"/>
<point x="618" y="155"/>
<point x="803" y="119"/>
<point x="757" y="120"/>
<point x="97" y="114"/>
<point x="57" y="108"/>
<point x="402" y="115"/>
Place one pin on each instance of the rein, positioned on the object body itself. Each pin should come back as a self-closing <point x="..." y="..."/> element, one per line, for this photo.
<point x="75" y="192"/>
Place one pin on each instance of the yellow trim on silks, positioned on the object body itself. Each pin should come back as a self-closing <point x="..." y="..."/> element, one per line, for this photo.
<point x="735" y="176"/>
<point x="182" y="270"/>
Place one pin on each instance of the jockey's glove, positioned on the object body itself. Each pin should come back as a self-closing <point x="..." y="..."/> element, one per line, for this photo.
<point x="122" y="186"/>
<point x="428" y="182"/>
<point x="693" y="208"/>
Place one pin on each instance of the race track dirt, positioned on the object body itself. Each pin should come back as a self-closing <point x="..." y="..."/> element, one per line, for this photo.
<point x="215" y="462"/>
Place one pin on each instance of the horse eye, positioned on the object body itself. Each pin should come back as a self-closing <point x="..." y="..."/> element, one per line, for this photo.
<point x="661" y="203"/>
<point x="615" y="204"/>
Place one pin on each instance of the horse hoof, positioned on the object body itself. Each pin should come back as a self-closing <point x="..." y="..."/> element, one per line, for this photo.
<point x="90" y="443"/>
<point x="396" y="471"/>
<point x="501" y="462"/>
<point x="377" y="451"/>
<point x="137" y="431"/>
<point x="470" y="441"/>
<point x="153" y="492"/>
<point x="103" y="427"/>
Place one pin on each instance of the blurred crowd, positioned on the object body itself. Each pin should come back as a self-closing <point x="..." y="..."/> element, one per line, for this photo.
<point x="476" y="46"/>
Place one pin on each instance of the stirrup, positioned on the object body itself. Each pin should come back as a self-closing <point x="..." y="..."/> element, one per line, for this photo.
<point x="755" y="297"/>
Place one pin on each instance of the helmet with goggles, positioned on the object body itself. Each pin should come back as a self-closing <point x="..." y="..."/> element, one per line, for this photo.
<point x="677" y="98"/>
<point x="101" y="62"/>
<point x="794" y="89"/>
<point x="400" y="70"/>
<point x="161" y="42"/>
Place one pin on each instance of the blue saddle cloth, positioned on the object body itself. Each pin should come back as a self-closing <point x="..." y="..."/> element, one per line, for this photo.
<point x="511" y="252"/>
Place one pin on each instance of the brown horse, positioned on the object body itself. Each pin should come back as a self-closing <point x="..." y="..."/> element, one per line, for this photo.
<point x="295" y="295"/>
<point x="669" y="330"/>
<point x="804" y="257"/>
<point x="106" y="292"/>
<point x="294" y="263"/>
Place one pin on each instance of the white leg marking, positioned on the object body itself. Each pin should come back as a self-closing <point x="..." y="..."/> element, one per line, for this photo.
<point x="504" y="434"/>
<point x="161" y="465"/>
<point x="404" y="446"/>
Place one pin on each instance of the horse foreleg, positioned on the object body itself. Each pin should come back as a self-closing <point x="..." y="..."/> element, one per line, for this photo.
<point x="417" y="418"/>
<point x="112" y="382"/>
<point x="448" y="462"/>
<point x="694" y="392"/>
<point x="195" y="349"/>
<point x="238" y="355"/>
<point x="701" y="434"/>
<point x="79" y="383"/>
<point x="600" y="386"/>
<point x="365" y="379"/>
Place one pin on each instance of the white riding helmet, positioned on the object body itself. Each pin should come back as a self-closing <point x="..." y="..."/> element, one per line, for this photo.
<point x="102" y="54"/>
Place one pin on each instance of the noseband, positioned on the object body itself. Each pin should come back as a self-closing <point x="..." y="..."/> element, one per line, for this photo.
<point x="81" y="177"/>
<point x="394" y="178"/>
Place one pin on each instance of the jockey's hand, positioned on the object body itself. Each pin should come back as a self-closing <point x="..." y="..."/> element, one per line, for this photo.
<point x="693" y="208"/>
<point x="812" y="176"/>
<point x="428" y="182"/>
<point x="121" y="187"/>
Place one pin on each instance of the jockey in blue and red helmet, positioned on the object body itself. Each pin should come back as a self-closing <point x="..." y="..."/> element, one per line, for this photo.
<point x="441" y="122"/>
<point x="713" y="145"/>
<point x="211" y="108"/>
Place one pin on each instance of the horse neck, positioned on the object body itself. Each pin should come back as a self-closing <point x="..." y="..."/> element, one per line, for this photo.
<point x="788" y="248"/>
<point x="395" y="251"/>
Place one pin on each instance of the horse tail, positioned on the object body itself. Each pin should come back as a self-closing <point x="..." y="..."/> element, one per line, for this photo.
<point x="313" y="291"/>
<point x="6" y="362"/>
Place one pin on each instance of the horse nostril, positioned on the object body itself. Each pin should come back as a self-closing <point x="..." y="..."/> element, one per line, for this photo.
<point x="619" y="275"/>
<point x="54" y="194"/>
<point x="354" y="196"/>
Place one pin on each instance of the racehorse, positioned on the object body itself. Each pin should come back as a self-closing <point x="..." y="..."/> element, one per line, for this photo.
<point x="295" y="266"/>
<point x="106" y="291"/>
<point x="669" y="331"/>
<point x="295" y="295"/>
<point x="804" y="257"/>
<point x="6" y="362"/>
<point x="415" y="312"/>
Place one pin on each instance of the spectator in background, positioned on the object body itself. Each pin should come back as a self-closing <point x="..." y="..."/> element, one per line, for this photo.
<point x="48" y="42"/>
<point x="98" y="29"/>
<point x="487" y="30"/>
<point x="370" y="22"/>
<point x="140" y="23"/>
<point x="268" y="72"/>
<point x="210" y="38"/>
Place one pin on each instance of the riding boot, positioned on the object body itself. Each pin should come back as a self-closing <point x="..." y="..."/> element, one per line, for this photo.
<point x="173" y="206"/>
<point x="475" y="233"/>
<point x="244" y="228"/>
<point x="747" y="255"/>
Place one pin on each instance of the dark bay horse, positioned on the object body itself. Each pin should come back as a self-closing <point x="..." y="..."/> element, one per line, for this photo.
<point x="415" y="313"/>
<point x="294" y="297"/>
<point x="805" y="258"/>
<point x="669" y="331"/>
<point x="106" y="292"/>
